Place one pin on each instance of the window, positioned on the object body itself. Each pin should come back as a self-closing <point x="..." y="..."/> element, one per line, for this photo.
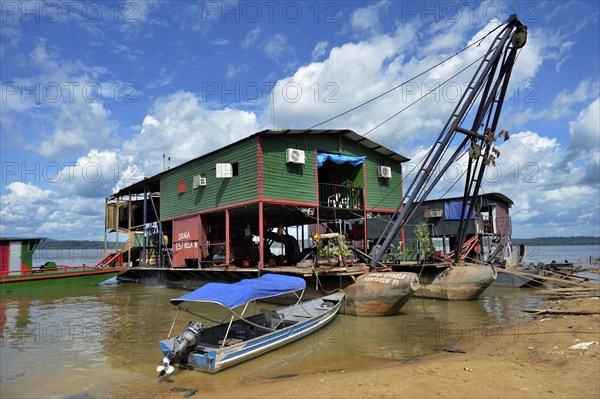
<point x="181" y="187"/>
<point x="227" y="170"/>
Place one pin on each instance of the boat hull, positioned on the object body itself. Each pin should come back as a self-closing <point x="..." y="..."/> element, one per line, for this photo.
<point x="57" y="280"/>
<point x="380" y="294"/>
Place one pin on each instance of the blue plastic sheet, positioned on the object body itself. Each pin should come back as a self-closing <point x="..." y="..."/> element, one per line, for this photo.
<point x="236" y="294"/>
<point x="339" y="159"/>
<point x="452" y="209"/>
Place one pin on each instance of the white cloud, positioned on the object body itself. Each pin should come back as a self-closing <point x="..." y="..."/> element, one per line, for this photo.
<point x="26" y="191"/>
<point x="562" y="105"/>
<point x="78" y="127"/>
<point x="220" y="42"/>
<point x="277" y="48"/>
<point x="181" y="127"/>
<point x="319" y="50"/>
<point x="367" y="18"/>
<point x="27" y="210"/>
<point x="97" y="173"/>
<point x="547" y="193"/>
<point x="67" y="95"/>
<point x="251" y="37"/>
<point x="356" y="72"/>
<point x="585" y="132"/>
<point x="233" y="70"/>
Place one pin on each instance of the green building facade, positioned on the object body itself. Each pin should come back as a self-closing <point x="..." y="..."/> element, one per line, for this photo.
<point x="212" y="205"/>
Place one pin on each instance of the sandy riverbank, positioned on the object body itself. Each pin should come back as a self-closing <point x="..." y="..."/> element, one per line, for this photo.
<point x="530" y="359"/>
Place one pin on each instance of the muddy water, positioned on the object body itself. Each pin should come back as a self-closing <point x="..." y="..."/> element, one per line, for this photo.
<point x="102" y="341"/>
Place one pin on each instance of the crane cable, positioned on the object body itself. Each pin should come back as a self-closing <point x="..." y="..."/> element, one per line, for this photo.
<point x="407" y="81"/>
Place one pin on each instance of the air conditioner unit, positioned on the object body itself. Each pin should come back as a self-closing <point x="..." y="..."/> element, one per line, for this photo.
<point x="293" y="155"/>
<point x="199" y="181"/>
<point x="436" y="213"/>
<point x="384" y="172"/>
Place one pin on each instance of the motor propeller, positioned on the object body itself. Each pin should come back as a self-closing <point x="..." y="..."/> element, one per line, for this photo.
<point x="188" y="338"/>
<point x="165" y="367"/>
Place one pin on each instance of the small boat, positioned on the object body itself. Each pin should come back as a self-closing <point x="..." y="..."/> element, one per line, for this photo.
<point x="17" y="273"/>
<point x="215" y="348"/>
<point x="520" y="277"/>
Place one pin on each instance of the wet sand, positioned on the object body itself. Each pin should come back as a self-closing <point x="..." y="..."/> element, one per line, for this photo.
<point x="529" y="359"/>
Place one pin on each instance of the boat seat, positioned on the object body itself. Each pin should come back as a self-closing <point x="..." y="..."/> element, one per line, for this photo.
<point x="230" y="341"/>
<point x="305" y="315"/>
<point x="272" y="318"/>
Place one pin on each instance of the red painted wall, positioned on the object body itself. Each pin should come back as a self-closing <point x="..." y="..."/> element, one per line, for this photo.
<point x="4" y="258"/>
<point x="185" y="240"/>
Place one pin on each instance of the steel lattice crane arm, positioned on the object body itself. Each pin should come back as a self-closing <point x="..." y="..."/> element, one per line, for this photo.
<point x="489" y="83"/>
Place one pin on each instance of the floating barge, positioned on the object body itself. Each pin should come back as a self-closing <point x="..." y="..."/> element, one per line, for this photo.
<point x="17" y="273"/>
<point x="245" y="209"/>
<point x="488" y="236"/>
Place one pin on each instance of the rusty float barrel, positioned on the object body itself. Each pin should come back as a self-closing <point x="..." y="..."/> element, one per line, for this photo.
<point x="379" y="294"/>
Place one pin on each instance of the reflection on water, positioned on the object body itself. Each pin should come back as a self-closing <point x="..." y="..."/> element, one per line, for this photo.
<point x="104" y="340"/>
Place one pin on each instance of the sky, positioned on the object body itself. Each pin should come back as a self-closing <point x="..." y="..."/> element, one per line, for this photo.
<point x="94" y="93"/>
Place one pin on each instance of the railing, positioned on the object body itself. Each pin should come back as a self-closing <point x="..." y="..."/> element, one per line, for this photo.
<point x="113" y="259"/>
<point x="14" y="275"/>
<point x="484" y="223"/>
<point x="109" y="260"/>
<point x="340" y="196"/>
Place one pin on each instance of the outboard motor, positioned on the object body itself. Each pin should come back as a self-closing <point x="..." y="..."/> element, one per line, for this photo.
<point x="188" y="338"/>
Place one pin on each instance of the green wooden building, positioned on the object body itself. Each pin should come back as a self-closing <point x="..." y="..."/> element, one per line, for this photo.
<point x="224" y="205"/>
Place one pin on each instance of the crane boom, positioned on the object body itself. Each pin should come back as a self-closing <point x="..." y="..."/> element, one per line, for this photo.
<point x="490" y="83"/>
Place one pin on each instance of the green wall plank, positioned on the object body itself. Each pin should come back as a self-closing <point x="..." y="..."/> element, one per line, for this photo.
<point x="218" y="191"/>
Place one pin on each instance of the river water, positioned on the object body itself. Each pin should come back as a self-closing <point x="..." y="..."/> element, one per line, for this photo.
<point x="103" y="340"/>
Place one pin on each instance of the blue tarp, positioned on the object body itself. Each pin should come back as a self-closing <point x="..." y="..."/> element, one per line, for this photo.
<point x="452" y="209"/>
<point x="236" y="294"/>
<point x="338" y="159"/>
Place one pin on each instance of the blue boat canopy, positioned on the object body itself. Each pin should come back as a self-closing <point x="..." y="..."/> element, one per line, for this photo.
<point x="339" y="159"/>
<point x="244" y="291"/>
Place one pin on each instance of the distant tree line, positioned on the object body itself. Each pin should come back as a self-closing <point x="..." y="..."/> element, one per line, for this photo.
<point x="575" y="240"/>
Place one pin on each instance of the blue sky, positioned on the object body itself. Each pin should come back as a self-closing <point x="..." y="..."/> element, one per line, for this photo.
<point x="94" y="93"/>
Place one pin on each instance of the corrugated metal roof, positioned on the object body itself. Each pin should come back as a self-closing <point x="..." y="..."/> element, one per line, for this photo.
<point x="349" y="134"/>
<point x="489" y="196"/>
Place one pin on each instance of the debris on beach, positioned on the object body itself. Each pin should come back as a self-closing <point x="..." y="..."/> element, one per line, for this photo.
<point x="584" y="345"/>
<point x="187" y="391"/>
